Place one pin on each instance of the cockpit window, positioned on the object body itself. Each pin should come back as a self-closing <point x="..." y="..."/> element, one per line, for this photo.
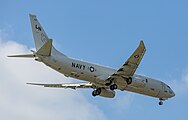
<point x="170" y="90"/>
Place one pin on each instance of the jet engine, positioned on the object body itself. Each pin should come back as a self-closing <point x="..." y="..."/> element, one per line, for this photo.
<point x="107" y="93"/>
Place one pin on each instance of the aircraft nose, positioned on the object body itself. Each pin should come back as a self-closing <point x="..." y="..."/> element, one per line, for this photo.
<point x="173" y="94"/>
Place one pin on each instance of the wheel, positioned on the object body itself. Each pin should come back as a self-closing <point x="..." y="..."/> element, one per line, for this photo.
<point x="94" y="93"/>
<point x="129" y="80"/>
<point x="160" y="103"/>
<point x="98" y="91"/>
<point x="113" y="87"/>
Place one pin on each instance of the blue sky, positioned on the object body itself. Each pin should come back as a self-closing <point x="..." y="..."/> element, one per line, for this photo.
<point x="107" y="32"/>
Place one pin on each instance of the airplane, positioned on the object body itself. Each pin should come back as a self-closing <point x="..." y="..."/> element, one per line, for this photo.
<point x="103" y="80"/>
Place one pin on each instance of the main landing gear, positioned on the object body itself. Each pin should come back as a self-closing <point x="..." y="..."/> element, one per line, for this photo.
<point x="113" y="87"/>
<point x="96" y="92"/>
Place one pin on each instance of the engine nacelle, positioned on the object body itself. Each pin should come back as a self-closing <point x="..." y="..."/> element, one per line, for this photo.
<point x="107" y="93"/>
<point x="138" y="82"/>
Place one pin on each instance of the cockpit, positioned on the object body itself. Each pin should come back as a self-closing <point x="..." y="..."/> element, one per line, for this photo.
<point x="169" y="91"/>
<point x="166" y="93"/>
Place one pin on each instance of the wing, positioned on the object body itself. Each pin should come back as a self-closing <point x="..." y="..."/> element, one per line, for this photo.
<point x="66" y="85"/>
<point x="129" y="67"/>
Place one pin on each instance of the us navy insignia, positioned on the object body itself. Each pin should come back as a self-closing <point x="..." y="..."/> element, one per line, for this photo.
<point x="136" y="56"/>
<point x="92" y="69"/>
<point x="79" y="66"/>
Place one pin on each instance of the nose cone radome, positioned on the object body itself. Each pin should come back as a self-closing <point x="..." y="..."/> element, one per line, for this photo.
<point x="173" y="94"/>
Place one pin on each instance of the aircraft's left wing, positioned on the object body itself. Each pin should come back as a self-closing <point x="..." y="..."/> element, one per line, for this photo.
<point x="66" y="85"/>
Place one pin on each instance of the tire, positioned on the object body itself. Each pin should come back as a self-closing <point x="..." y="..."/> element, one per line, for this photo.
<point x="113" y="87"/>
<point x="160" y="103"/>
<point x="98" y="91"/>
<point x="94" y="93"/>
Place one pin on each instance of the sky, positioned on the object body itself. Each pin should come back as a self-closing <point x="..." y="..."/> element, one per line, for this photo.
<point x="105" y="32"/>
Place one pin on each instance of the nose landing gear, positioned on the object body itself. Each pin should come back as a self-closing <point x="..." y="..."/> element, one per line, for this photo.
<point x="161" y="101"/>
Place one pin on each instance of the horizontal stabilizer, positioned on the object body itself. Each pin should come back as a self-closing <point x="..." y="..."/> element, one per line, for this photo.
<point x="45" y="50"/>
<point x="24" y="56"/>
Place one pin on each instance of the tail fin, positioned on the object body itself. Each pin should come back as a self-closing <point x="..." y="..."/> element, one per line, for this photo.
<point x="39" y="34"/>
<point x="43" y="44"/>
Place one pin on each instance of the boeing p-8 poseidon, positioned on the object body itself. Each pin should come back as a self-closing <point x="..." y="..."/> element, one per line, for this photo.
<point x="103" y="80"/>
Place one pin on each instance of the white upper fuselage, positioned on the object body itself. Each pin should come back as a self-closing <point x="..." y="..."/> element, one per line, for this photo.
<point x="96" y="74"/>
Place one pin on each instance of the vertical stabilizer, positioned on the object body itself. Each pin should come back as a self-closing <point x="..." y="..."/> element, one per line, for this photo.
<point x="42" y="43"/>
<point x="39" y="34"/>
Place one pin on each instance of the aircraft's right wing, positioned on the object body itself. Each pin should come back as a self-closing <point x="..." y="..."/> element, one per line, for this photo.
<point x="129" y="67"/>
<point x="66" y="85"/>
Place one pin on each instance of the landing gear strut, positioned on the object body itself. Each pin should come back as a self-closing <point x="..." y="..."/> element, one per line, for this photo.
<point x="109" y="83"/>
<point x="96" y="92"/>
